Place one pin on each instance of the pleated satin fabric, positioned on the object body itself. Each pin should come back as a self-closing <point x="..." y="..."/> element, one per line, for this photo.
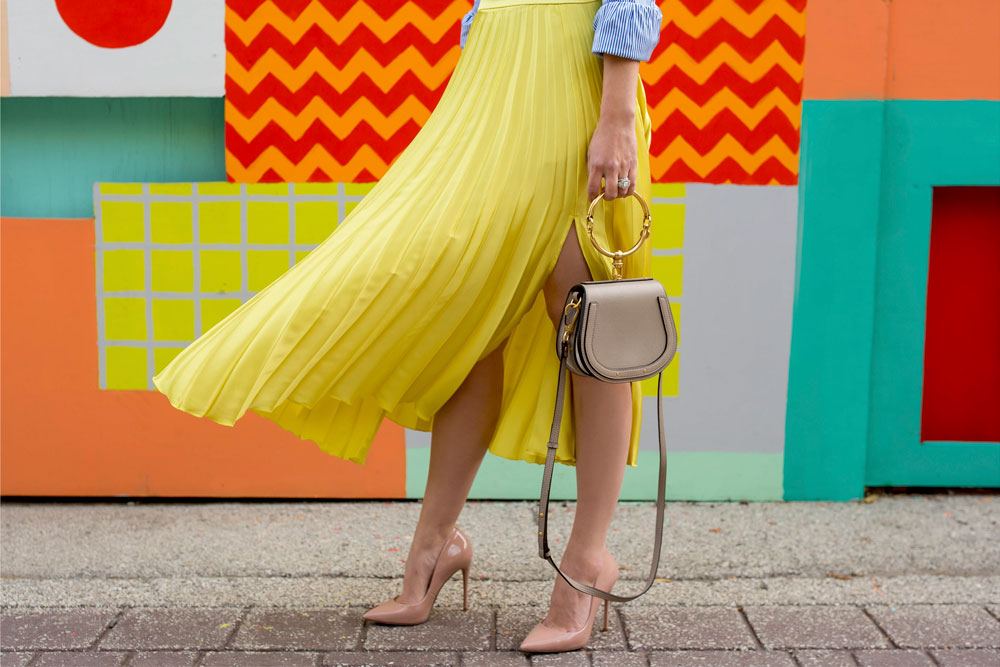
<point x="441" y="261"/>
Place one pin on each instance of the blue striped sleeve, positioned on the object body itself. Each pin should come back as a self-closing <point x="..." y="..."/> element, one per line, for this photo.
<point x="467" y="23"/>
<point x="627" y="28"/>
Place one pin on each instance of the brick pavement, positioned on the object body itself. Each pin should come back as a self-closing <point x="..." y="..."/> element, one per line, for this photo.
<point x="944" y="635"/>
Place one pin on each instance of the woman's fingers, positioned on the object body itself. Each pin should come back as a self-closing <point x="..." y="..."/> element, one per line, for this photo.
<point x="632" y="175"/>
<point x="593" y="182"/>
<point x="611" y="155"/>
<point x="611" y="183"/>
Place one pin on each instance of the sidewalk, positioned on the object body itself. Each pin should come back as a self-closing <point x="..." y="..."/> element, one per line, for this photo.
<point x="902" y="580"/>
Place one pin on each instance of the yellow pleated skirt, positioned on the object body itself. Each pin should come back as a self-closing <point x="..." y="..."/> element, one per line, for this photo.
<point x="442" y="260"/>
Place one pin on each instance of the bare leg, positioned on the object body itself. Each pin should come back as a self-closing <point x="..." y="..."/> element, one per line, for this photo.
<point x="462" y="431"/>
<point x="603" y="424"/>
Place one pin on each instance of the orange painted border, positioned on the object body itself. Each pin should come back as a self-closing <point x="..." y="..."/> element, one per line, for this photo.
<point x="61" y="435"/>
<point x="918" y="49"/>
<point x="944" y="50"/>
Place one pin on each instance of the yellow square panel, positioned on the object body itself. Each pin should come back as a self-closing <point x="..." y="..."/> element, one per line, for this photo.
<point x="263" y="266"/>
<point x="314" y="220"/>
<point x="667" y="225"/>
<point x="355" y="189"/>
<point x="125" y="368"/>
<point x="163" y="356"/>
<point x="329" y="189"/>
<point x="122" y="222"/>
<point x="173" y="270"/>
<point x="673" y="190"/>
<point x="219" y="222"/>
<point x="670" y="382"/>
<point x="123" y="270"/>
<point x="170" y="221"/>
<point x="170" y="189"/>
<point x="220" y="271"/>
<point x="675" y="308"/>
<point x="267" y="222"/>
<point x="173" y="320"/>
<point x="121" y="188"/>
<point x="300" y="255"/>
<point x="214" y="311"/>
<point x="267" y="188"/>
<point x="349" y="206"/>
<point x="219" y="188"/>
<point x="668" y="271"/>
<point x="124" y="318"/>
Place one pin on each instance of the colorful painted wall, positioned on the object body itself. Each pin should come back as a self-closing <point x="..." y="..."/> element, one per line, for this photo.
<point x="164" y="160"/>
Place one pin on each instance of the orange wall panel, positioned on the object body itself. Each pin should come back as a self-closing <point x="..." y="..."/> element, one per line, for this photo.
<point x="944" y="50"/>
<point x="917" y="49"/>
<point x="62" y="435"/>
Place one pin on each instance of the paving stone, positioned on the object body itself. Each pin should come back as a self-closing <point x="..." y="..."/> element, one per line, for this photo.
<point x="396" y="658"/>
<point x="720" y="659"/>
<point x="994" y="609"/>
<point x="53" y="628"/>
<point x="823" y="657"/>
<point x="515" y="622"/>
<point x="687" y="628"/>
<point x="15" y="659"/>
<point x="172" y="629"/>
<point x="565" y="659"/>
<point x="446" y="629"/>
<point x="300" y="629"/>
<point x="79" y="659"/>
<point x="967" y="657"/>
<point x="893" y="658"/>
<point x="819" y="626"/>
<point x="619" y="659"/>
<point x="260" y="659"/>
<point x="944" y="626"/>
<point x="495" y="659"/>
<point x="163" y="659"/>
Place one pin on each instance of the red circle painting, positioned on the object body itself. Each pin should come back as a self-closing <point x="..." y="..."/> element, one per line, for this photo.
<point x="114" y="24"/>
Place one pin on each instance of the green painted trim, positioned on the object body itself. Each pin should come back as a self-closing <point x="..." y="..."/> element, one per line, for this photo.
<point x="53" y="149"/>
<point x="826" y="422"/>
<point x="690" y="476"/>
<point x="928" y="143"/>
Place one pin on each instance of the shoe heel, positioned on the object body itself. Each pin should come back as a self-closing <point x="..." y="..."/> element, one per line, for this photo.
<point x="465" y="588"/>
<point x="605" y="628"/>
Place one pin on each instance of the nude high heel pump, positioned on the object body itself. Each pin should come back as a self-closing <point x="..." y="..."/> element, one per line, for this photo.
<point x="545" y="639"/>
<point x="455" y="555"/>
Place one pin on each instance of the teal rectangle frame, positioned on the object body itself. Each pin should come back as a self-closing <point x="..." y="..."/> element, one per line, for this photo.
<point x="856" y="359"/>
<point x="927" y="143"/>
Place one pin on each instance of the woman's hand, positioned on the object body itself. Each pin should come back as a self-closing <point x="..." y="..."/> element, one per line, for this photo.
<point x="613" y="152"/>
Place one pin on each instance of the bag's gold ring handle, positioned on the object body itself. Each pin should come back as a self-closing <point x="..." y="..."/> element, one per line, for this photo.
<point x="617" y="255"/>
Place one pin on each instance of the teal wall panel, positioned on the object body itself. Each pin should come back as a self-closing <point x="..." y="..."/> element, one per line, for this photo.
<point x="833" y="306"/>
<point x="55" y="148"/>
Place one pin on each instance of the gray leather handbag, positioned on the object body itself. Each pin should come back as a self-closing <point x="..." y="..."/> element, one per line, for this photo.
<point x="618" y="330"/>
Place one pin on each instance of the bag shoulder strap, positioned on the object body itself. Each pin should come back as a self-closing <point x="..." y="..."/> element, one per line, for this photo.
<point x="543" y="540"/>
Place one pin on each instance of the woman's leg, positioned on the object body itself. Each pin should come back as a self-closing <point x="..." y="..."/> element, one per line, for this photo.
<point x="603" y="424"/>
<point x="462" y="431"/>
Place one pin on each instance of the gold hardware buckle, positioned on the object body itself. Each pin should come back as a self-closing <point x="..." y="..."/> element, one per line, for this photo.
<point x="617" y="255"/>
<point x="575" y="306"/>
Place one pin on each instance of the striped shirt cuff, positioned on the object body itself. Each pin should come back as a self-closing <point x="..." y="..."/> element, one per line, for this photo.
<point x="627" y="28"/>
<point x="467" y="23"/>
